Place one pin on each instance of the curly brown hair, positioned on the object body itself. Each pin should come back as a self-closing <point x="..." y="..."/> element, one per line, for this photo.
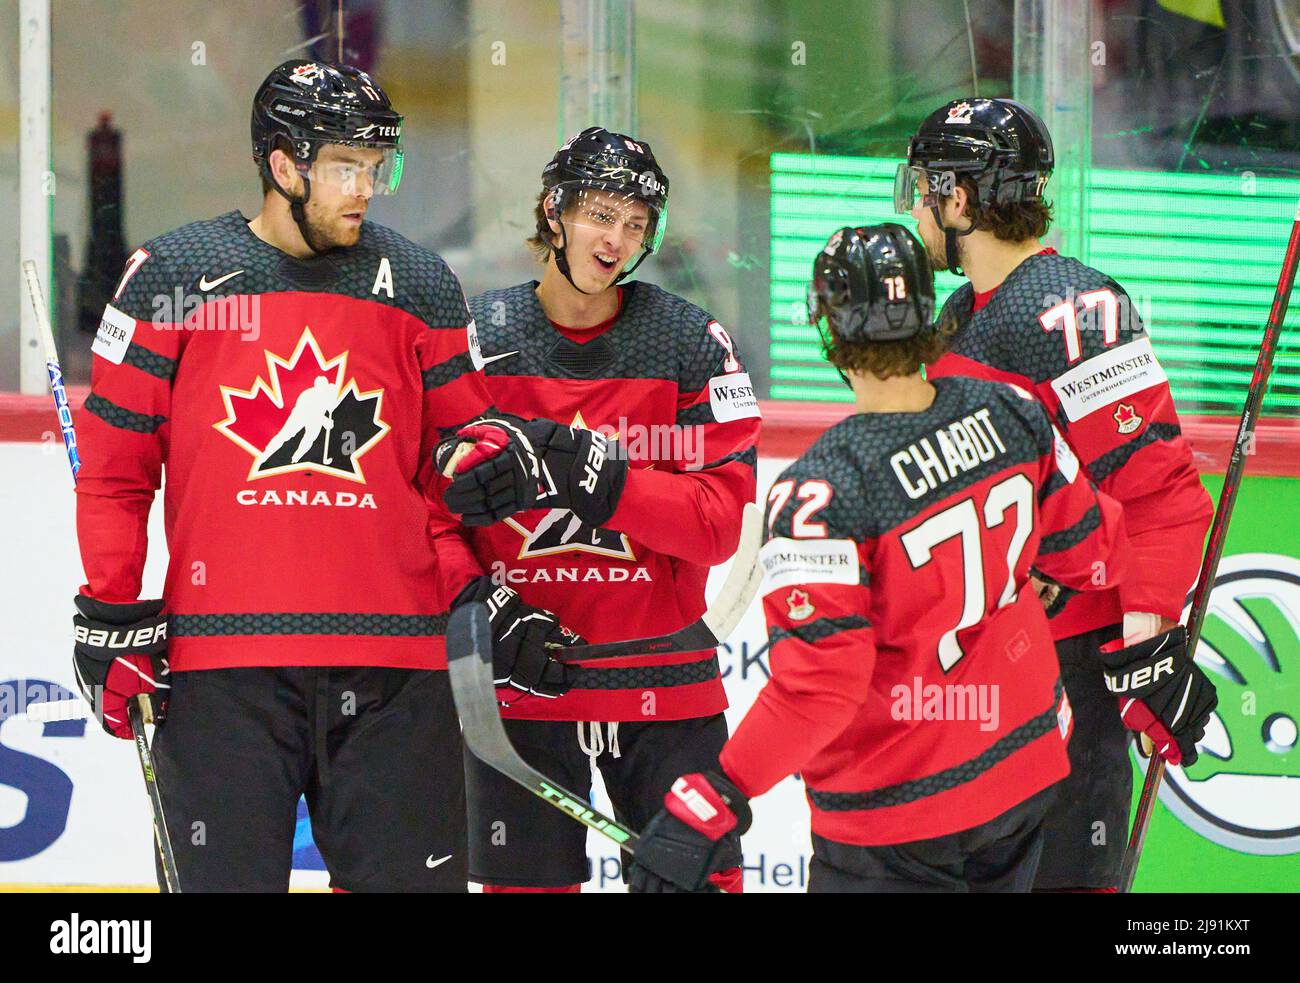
<point x="885" y="359"/>
<point x="1015" y="222"/>
<point x="540" y="242"/>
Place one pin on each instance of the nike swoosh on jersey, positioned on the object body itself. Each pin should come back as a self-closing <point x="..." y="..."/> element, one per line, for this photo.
<point x="493" y="358"/>
<point x="206" y="284"/>
<point x="431" y="863"/>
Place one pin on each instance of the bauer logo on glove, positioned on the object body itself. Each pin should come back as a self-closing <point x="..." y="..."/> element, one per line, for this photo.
<point x="1162" y="693"/>
<point x="120" y="654"/>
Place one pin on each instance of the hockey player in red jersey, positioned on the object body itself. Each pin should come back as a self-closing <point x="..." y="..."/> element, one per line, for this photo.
<point x="646" y="470"/>
<point x="1070" y="335"/>
<point x="914" y="684"/>
<point x="292" y="375"/>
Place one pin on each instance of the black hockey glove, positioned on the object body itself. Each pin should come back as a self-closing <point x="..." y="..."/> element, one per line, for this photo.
<point x="521" y="638"/>
<point x="1053" y="595"/>
<point x="537" y="464"/>
<point x="118" y="655"/>
<point x="1162" y="693"/>
<point x="696" y="834"/>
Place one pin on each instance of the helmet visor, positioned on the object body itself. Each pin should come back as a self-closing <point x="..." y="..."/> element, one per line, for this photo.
<point x="362" y="171"/>
<point x="913" y="184"/>
<point x="588" y="204"/>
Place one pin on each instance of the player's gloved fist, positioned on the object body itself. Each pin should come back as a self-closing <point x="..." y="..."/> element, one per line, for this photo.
<point x="118" y="655"/>
<point x="495" y="468"/>
<point x="522" y="638"/>
<point x="1053" y="595"/>
<point x="542" y="464"/>
<point x="691" y="837"/>
<point x="1162" y="693"/>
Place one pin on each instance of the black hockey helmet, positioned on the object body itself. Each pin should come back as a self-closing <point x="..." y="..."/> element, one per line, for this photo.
<point x="1000" y="144"/>
<point x="870" y="284"/>
<point x="601" y="160"/>
<point x="313" y="103"/>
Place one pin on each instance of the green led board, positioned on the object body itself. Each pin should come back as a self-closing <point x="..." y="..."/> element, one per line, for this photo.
<point x="1198" y="253"/>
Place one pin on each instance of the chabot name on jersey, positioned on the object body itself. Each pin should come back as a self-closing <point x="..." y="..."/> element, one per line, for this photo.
<point x="960" y="446"/>
<point x="791" y="562"/>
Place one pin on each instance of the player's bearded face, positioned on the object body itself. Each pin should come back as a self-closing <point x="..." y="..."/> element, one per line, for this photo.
<point x="342" y="184"/>
<point x="930" y="232"/>
<point x="931" y="235"/>
<point x="604" y="231"/>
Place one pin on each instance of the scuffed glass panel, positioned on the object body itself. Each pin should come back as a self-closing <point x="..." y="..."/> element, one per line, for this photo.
<point x="781" y="122"/>
<point x="1196" y="128"/>
<point x="777" y="121"/>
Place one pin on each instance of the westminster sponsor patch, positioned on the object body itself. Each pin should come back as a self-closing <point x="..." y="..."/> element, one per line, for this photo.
<point x="475" y="351"/>
<point x="796" y="562"/>
<point x="1114" y="374"/>
<point x="732" y="397"/>
<point x="116" y="328"/>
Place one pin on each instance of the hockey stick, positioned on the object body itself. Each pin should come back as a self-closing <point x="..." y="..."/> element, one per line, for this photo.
<point x="713" y="627"/>
<point x="136" y="709"/>
<point x="469" y="664"/>
<point x="1219" y="530"/>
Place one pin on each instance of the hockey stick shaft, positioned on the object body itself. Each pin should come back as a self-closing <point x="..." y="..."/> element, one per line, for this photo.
<point x="1219" y="529"/>
<point x="716" y="624"/>
<point x="136" y="709"/>
<point x="52" y="368"/>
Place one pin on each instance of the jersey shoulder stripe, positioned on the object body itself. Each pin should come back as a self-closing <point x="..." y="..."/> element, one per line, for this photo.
<point x="1051" y="313"/>
<point x="658" y="335"/>
<point x="175" y="274"/>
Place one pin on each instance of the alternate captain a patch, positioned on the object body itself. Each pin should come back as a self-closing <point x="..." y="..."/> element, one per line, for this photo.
<point x="306" y="415"/>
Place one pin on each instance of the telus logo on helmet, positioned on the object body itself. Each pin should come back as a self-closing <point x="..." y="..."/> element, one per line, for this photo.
<point x="375" y="129"/>
<point x="652" y="184"/>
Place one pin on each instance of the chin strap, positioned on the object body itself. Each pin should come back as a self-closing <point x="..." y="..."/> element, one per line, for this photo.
<point x="562" y="261"/>
<point x="950" y="237"/>
<point x="297" y="207"/>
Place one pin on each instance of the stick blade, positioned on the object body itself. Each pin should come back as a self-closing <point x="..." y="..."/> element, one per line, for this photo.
<point x="469" y="664"/>
<point x="743" y="579"/>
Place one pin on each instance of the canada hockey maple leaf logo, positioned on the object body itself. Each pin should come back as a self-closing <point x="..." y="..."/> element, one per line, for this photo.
<point x="1126" y="418"/>
<point x="307" y="415"/>
<point x="799" y="605"/>
<point x="960" y="113"/>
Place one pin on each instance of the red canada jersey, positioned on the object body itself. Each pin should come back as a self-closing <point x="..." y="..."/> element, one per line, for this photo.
<point x="1071" y="336"/>
<point x="665" y="380"/>
<point x="293" y="407"/>
<point x="914" y="680"/>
